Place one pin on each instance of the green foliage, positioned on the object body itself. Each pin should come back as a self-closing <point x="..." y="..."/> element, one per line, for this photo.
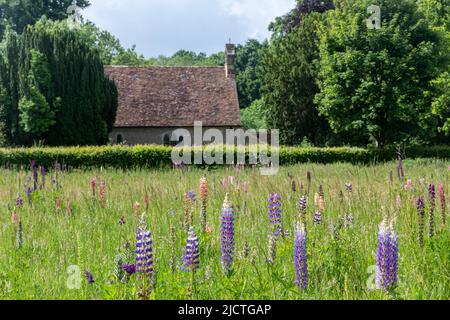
<point x="20" y="13"/>
<point x="290" y="83"/>
<point x="160" y="156"/>
<point x="249" y="72"/>
<point x="373" y="83"/>
<point x="58" y="89"/>
<point x="254" y="116"/>
<point x="35" y="114"/>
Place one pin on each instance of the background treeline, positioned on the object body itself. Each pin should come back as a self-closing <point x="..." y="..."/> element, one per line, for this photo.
<point x="323" y="78"/>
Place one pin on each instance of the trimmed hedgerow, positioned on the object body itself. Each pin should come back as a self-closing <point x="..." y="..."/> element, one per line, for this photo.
<point x="160" y="156"/>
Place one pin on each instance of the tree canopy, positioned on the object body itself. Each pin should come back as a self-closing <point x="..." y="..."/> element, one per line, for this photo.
<point x="54" y="88"/>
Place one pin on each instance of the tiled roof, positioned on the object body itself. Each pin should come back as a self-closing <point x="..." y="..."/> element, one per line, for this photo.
<point x="175" y="96"/>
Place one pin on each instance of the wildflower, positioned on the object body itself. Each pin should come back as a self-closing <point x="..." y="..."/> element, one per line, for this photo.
<point x="136" y="207"/>
<point x="318" y="218"/>
<point x="224" y="183"/>
<point x="58" y="204"/>
<point x="28" y="192"/>
<point x="19" y="235"/>
<point x="442" y="198"/>
<point x="130" y="269"/>
<point x="204" y="198"/>
<point x="119" y="270"/>
<point x="43" y="176"/>
<point x="122" y="221"/>
<point x="93" y="186"/>
<point x="14" y="217"/>
<point x="300" y="257"/>
<point x="432" y="201"/>
<point x="302" y="205"/>
<point x="275" y="213"/>
<point x="188" y="211"/>
<point x="191" y="195"/>
<point x="191" y="256"/>
<point x="245" y="187"/>
<point x="144" y="251"/>
<point x="321" y="192"/>
<point x="387" y="258"/>
<point x="349" y="187"/>
<point x="146" y="202"/>
<point x="421" y="212"/>
<point x="408" y="185"/>
<point x="19" y="201"/>
<point x="231" y="180"/>
<point x="400" y="170"/>
<point x="227" y="235"/>
<point x="348" y="220"/>
<point x="35" y="174"/>
<point x="89" y="276"/>
<point x="68" y="207"/>
<point x="293" y="186"/>
<point x="309" y="177"/>
<point x="272" y="248"/>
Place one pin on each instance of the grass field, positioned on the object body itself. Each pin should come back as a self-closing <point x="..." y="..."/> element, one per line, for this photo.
<point x="70" y="226"/>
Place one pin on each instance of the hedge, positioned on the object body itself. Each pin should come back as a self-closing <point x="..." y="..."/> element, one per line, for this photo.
<point x="160" y="156"/>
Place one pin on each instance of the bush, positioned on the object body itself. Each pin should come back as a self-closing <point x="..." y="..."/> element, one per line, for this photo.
<point x="159" y="156"/>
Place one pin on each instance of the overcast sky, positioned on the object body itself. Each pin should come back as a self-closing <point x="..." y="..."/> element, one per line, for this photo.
<point x="165" y="26"/>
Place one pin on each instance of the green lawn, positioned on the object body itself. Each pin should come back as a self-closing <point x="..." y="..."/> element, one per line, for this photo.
<point x="340" y="260"/>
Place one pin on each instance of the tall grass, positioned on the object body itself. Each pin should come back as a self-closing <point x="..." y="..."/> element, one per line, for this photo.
<point x="341" y="258"/>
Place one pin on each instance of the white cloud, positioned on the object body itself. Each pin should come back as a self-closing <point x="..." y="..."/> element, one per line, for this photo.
<point x="164" y="26"/>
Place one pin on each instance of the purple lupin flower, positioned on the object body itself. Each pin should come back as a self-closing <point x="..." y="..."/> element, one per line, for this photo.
<point x="275" y="213"/>
<point x="432" y="200"/>
<point x="421" y="213"/>
<point x="89" y="276"/>
<point x="144" y="251"/>
<point x="302" y="205"/>
<point x="318" y="218"/>
<point x="228" y="244"/>
<point x="28" y="192"/>
<point x="300" y="257"/>
<point x="19" y="201"/>
<point x="387" y="258"/>
<point x="191" y="255"/>
<point x="192" y="196"/>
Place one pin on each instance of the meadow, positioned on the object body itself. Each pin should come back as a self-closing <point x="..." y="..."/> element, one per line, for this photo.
<point x="87" y="220"/>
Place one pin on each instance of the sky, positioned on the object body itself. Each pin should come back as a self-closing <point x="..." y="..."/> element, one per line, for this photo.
<point x="166" y="26"/>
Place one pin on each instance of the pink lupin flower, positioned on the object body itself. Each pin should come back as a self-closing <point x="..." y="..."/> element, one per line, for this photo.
<point x="231" y="180"/>
<point x="102" y="193"/>
<point x="408" y="185"/>
<point x="224" y="183"/>
<point x="93" y="186"/>
<point x="245" y="187"/>
<point x="136" y="208"/>
<point x="14" y="217"/>
<point x="58" y="204"/>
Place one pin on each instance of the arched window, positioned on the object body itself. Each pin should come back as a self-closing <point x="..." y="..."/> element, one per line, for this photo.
<point x="119" y="139"/>
<point x="166" y="140"/>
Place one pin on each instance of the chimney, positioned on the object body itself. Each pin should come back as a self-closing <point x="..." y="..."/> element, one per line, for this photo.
<point x="230" y="58"/>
